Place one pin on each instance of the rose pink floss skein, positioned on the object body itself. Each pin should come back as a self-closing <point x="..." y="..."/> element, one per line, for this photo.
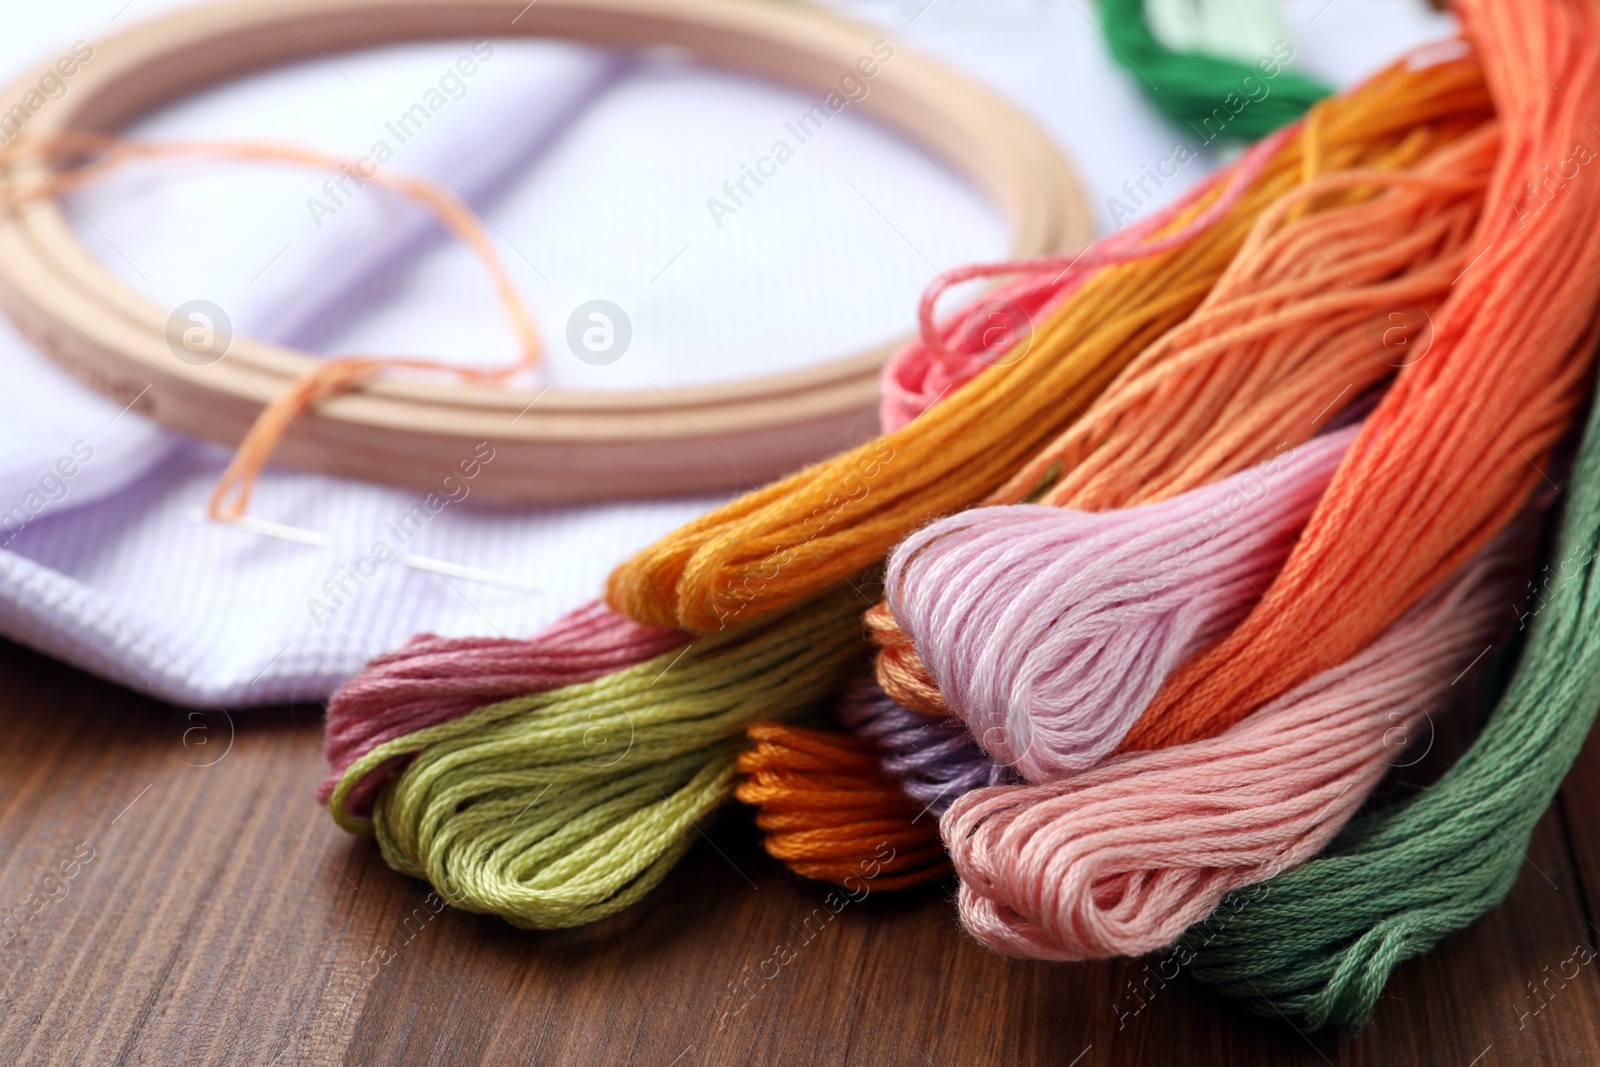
<point x="430" y="680"/>
<point x="1120" y="860"/>
<point x="1048" y="630"/>
<point x="951" y="353"/>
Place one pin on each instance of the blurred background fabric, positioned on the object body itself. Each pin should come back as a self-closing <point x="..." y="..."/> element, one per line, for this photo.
<point x="593" y="170"/>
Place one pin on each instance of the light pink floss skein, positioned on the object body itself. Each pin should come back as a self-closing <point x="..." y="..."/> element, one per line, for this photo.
<point x="1120" y="860"/>
<point x="1048" y="630"/>
<point x="430" y="680"/>
<point x="951" y="353"/>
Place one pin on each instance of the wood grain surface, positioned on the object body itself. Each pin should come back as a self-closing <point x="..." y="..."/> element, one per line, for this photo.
<point x="185" y="901"/>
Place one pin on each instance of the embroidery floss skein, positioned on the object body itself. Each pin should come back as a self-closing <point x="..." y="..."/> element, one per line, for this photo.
<point x="934" y="759"/>
<point x="430" y="680"/>
<point x="1118" y="861"/>
<point x="559" y="808"/>
<point x="1454" y="449"/>
<point x="1048" y="630"/>
<point x="1287" y="334"/>
<point x="899" y="670"/>
<point x="838" y="813"/>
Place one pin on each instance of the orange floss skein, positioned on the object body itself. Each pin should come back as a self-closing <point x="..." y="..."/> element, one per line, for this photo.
<point x="1452" y="452"/>
<point x="827" y="810"/>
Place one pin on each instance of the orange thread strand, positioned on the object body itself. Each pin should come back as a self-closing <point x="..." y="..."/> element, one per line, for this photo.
<point x="329" y="378"/>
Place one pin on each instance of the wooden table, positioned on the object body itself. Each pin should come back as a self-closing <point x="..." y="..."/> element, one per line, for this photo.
<point x="214" y="914"/>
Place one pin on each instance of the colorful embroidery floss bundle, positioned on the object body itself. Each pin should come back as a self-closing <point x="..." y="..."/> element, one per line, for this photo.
<point x="1232" y="383"/>
<point x="933" y="759"/>
<point x="1494" y="393"/>
<point x="1391" y="888"/>
<point x="1233" y="554"/>
<point x="1205" y="903"/>
<point x="1452" y="90"/>
<point x="840" y="812"/>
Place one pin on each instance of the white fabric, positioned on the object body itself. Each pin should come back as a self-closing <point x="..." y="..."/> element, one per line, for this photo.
<point x="594" y="171"/>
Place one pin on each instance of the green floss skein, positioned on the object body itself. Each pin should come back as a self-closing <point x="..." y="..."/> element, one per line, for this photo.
<point x="1193" y="87"/>
<point x="563" y="807"/>
<point x="1320" y="942"/>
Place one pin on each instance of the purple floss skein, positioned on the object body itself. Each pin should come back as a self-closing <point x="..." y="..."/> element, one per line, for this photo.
<point x="935" y="759"/>
<point x="1049" y="630"/>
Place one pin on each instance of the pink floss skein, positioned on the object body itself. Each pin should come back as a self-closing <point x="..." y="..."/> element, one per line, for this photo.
<point x="430" y="680"/>
<point x="982" y="333"/>
<point x="1048" y="630"/>
<point x="1120" y="860"/>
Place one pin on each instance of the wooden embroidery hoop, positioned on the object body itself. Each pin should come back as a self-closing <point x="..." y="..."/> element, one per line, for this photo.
<point x="570" y="445"/>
